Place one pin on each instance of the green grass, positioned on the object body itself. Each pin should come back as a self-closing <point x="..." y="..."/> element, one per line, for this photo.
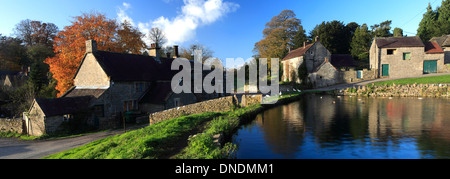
<point x="146" y="143"/>
<point x="422" y="80"/>
<point x="10" y="134"/>
<point x="202" y="146"/>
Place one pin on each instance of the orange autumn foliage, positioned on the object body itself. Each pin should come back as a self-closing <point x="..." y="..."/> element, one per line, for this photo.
<point x="69" y="46"/>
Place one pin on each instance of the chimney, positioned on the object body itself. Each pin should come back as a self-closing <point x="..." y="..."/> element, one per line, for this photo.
<point x="91" y="46"/>
<point x="175" y="51"/>
<point x="154" y="50"/>
<point x="326" y="60"/>
<point x="304" y="44"/>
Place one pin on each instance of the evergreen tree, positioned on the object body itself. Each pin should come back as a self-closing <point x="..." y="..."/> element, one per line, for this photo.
<point x="382" y="30"/>
<point x="443" y="20"/>
<point x="427" y="27"/>
<point x="334" y="35"/>
<point x="398" y="32"/>
<point x="299" y="38"/>
<point x="360" y="44"/>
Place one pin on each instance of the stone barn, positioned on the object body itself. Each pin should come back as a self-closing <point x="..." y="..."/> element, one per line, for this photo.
<point x="398" y="57"/>
<point x="47" y="116"/>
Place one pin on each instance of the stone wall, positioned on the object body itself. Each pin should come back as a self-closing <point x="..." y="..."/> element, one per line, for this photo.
<point x="91" y="74"/>
<point x="223" y="104"/>
<point x="216" y="105"/>
<point x="350" y="76"/>
<point x="13" y="125"/>
<point x="414" y="90"/>
<point x="248" y="100"/>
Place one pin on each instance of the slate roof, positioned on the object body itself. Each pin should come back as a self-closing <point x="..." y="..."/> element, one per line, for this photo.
<point x="396" y="42"/>
<point x="298" y="52"/>
<point x="130" y="67"/>
<point x="342" y="60"/>
<point x="443" y="41"/>
<point x="433" y="47"/>
<point x="73" y="92"/>
<point x="61" y="106"/>
<point x="3" y="73"/>
<point x="158" y="94"/>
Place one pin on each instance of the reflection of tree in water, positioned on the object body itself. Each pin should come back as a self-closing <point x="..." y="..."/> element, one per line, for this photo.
<point x="283" y="129"/>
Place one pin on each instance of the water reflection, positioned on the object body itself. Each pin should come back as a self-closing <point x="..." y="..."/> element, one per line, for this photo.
<point x="323" y="126"/>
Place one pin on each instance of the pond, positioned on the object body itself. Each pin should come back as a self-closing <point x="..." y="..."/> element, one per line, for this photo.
<point x="337" y="127"/>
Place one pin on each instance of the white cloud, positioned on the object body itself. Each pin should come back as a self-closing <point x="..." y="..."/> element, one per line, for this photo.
<point x="183" y="26"/>
<point x="122" y="15"/>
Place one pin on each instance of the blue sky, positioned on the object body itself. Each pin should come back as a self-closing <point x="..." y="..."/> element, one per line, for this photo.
<point x="230" y="30"/>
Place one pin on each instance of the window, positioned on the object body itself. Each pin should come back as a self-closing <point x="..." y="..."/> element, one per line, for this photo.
<point x="176" y="101"/>
<point x="66" y="117"/>
<point x="129" y="106"/>
<point x="407" y="56"/>
<point x="391" y="51"/>
<point x="139" y="87"/>
<point x="99" y="111"/>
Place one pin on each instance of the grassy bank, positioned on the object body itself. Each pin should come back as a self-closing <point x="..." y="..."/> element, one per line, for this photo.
<point x="421" y="80"/>
<point x="203" y="146"/>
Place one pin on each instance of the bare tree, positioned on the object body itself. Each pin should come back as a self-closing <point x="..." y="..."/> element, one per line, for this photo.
<point x="36" y="32"/>
<point x="156" y="35"/>
<point x="189" y="52"/>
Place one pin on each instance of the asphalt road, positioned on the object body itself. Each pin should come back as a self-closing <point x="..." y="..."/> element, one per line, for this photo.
<point x="13" y="148"/>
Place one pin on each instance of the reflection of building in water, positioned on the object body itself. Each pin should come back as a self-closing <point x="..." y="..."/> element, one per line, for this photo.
<point x="395" y="117"/>
<point x="403" y="117"/>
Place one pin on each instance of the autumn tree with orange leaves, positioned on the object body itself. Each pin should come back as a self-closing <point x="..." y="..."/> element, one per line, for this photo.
<point x="69" y="45"/>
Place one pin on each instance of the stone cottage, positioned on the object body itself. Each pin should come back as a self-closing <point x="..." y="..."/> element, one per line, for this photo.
<point x="49" y="115"/>
<point x="312" y="54"/>
<point x="120" y="83"/>
<point x="324" y="75"/>
<point x="444" y="43"/>
<point x="405" y="57"/>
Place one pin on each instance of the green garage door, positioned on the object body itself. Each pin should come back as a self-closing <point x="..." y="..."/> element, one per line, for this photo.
<point x="385" y="70"/>
<point x="429" y="67"/>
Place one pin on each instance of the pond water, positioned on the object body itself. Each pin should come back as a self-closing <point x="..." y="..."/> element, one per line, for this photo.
<point x="330" y="127"/>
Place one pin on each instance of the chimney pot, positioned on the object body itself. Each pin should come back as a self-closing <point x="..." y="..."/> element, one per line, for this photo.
<point x="91" y="46"/>
<point x="154" y="50"/>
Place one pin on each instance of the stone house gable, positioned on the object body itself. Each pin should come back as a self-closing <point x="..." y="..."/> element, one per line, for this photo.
<point x="325" y="75"/>
<point x="90" y="74"/>
<point x="313" y="55"/>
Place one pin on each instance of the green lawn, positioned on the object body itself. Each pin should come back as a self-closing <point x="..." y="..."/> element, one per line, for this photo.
<point x="422" y="80"/>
